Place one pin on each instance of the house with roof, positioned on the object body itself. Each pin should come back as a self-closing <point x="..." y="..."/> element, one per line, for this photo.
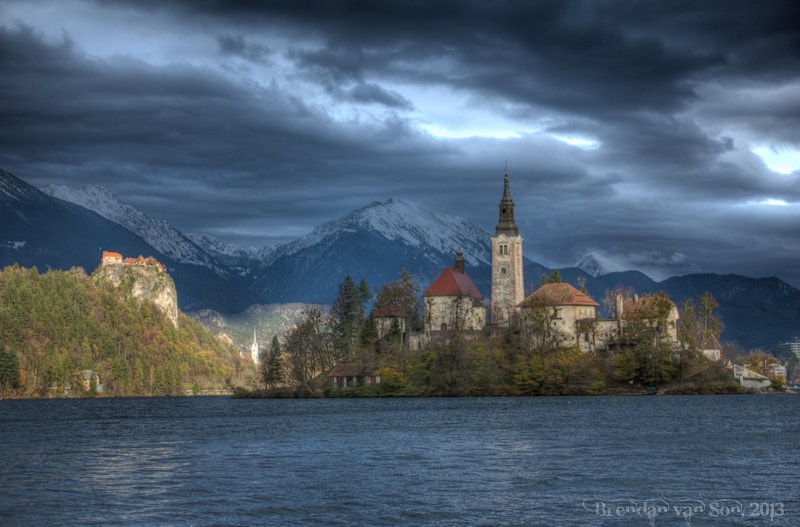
<point x="452" y="302"/>
<point x="711" y="348"/>
<point x="110" y="257"/>
<point x="352" y="375"/>
<point x="643" y="306"/>
<point x="574" y="312"/>
<point x="389" y="319"/>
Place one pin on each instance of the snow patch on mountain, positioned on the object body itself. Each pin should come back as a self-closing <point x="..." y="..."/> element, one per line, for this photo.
<point x="397" y="220"/>
<point x="14" y="189"/>
<point x="157" y="233"/>
<point x="216" y="246"/>
<point x="598" y="263"/>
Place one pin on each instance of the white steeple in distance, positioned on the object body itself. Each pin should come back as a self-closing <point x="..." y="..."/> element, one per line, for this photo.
<point x="254" y="348"/>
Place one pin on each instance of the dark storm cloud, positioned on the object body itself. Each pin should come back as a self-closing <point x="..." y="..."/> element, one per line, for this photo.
<point x="257" y="109"/>
<point x="191" y="133"/>
<point x="340" y="71"/>
<point x="237" y="45"/>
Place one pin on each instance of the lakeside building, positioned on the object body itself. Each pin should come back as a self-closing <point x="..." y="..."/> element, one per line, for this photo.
<point x="452" y="302"/>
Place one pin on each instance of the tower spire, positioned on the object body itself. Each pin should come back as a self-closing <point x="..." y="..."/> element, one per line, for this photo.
<point x="507" y="267"/>
<point x="254" y="351"/>
<point x="506" y="224"/>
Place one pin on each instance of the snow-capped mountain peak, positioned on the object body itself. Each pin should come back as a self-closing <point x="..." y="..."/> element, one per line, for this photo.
<point x="598" y="264"/>
<point x="399" y="221"/>
<point x="157" y="233"/>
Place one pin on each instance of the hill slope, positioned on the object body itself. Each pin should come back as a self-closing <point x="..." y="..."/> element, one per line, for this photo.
<point x="60" y="323"/>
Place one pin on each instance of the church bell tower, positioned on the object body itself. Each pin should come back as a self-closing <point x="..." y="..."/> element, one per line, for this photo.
<point x="507" y="281"/>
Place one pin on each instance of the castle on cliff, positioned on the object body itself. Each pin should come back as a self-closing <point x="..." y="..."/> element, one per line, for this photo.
<point x="149" y="280"/>
<point x="110" y="257"/>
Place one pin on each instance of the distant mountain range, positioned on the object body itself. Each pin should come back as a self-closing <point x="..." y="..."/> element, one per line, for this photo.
<point x="61" y="227"/>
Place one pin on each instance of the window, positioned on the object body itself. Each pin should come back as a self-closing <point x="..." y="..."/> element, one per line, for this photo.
<point x="502" y="270"/>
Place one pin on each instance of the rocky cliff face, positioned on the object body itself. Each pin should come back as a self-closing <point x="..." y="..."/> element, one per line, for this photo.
<point x="144" y="282"/>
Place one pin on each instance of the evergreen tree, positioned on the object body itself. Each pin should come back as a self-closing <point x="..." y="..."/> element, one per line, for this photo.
<point x="347" y="318"/>
<point x="272" y="367"/>
<point x="9" y="370"/>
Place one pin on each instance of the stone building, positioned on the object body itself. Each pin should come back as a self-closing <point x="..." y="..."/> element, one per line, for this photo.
<point x="507" y="278"/>
<point x="574" y="312"/>
<point x="452" y="302"/>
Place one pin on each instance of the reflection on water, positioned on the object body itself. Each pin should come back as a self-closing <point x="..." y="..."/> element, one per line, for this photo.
<point x="491" y="461"/>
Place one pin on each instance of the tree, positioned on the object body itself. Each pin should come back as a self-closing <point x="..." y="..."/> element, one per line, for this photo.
<point x="699" y="329"/>
<point x="711" y="324"/>
<point x="582" y="284"/>
<point x="309" y="350"/>
<point x="554" y="278"/>
<point x="401" y="297"/>
<point x="347" y="317"/>
<point x="647" y="333"/>
<point x="612" y="303"/>
<point x="272" y="368"/>
<point x="9" y="370"/>
<point x="761" y="362"/>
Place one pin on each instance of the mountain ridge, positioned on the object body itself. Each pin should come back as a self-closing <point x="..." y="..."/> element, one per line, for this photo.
<point x="373" y="242"/>
<point x="157" y="233"/>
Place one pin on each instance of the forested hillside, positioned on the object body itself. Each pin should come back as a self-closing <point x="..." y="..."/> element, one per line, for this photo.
<point x="56" y="325"/>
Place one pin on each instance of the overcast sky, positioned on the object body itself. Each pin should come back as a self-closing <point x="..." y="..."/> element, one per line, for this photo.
<point x="665" y="135"/>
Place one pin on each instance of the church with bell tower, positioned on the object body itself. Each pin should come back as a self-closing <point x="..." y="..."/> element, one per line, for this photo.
<point x="507" y="280"/>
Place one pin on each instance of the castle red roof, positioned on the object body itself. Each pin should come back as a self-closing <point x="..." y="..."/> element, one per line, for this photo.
<point x="110" y="254"/>
<point x="561" y="294"/>
<point x="453" y="283"/>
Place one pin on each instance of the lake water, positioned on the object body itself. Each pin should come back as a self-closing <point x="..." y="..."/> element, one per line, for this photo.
<point x="206" y="461"/>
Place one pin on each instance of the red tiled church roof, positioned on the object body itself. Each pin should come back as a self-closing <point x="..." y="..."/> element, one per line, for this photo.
<point x="453" y="283"/>
<point x="561" y="294"/>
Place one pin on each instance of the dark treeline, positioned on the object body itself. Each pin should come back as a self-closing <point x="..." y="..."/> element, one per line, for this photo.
<point x="58" y="324"/>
